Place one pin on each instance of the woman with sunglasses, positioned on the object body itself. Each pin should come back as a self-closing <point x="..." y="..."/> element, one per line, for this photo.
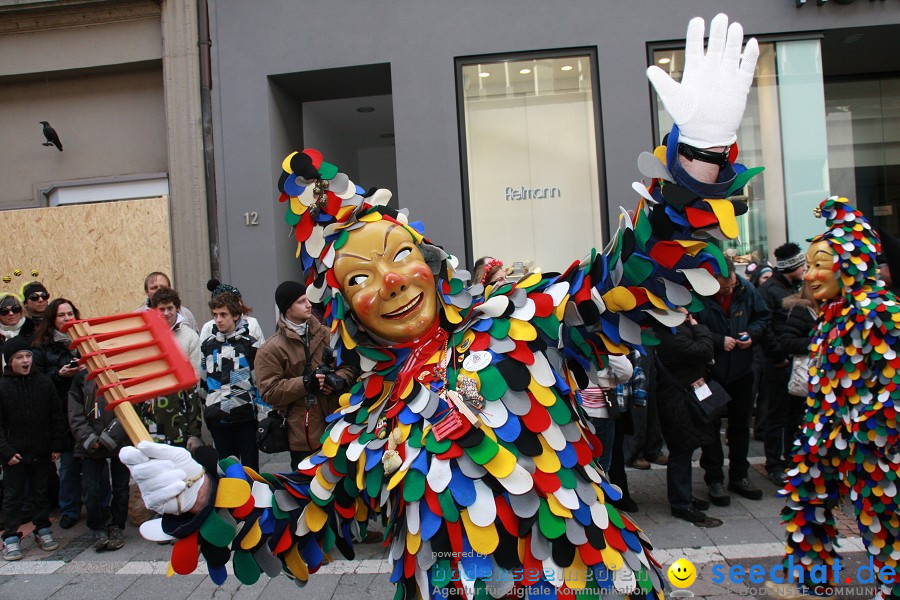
<point x="35" y="296"/>
<point x="53" y="358"/>
<point x="11" y="318"/>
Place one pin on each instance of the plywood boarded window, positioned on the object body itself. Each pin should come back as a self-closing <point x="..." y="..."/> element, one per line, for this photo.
<point x="97" y="255"/>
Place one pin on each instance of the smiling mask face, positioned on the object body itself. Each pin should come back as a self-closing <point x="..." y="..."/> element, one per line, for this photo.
<point x="820" y="275"/>
<point x="386" y="281"/>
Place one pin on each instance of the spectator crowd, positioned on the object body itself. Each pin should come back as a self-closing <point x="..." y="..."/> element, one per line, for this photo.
<point x="59" y="445"/>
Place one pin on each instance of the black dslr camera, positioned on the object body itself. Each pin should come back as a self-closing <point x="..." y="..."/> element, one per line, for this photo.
<point x="311" y="382"/>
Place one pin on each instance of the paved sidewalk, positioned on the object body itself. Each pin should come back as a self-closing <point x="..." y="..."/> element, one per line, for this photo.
<point x="751" y="534"/>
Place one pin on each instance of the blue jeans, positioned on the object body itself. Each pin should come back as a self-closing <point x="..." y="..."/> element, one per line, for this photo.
<point x="678" y="478"/>
<point x="70" y="485"/>
<point x="606" y="433"/>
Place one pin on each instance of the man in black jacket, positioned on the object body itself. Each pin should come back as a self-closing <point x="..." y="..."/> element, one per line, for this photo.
<point x="790" y="266"/>
<point x="737" y="318"/>
<point x="31" y="438"/>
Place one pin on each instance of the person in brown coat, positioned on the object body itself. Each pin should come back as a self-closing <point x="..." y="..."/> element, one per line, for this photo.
<point x="296" y="374"/>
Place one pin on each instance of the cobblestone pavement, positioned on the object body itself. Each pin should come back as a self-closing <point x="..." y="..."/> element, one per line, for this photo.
<point x="752" y="534"/>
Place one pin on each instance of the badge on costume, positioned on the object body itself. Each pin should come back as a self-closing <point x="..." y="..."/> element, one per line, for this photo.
<point x="477" y="361"/>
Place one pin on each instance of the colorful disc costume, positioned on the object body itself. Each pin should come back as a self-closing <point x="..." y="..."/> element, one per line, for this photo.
<point x="469" y="439"/>
<point x="465" y="429"/>
<point x="849" y="444"/>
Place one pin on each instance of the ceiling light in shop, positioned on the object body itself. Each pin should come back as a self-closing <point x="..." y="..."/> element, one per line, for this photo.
<point x="664" y="61"/>
<point x="365" y="109"/>
<point x="484" y="74"/>
<point x="524" y="71"/>
<point x="566" y="68"/>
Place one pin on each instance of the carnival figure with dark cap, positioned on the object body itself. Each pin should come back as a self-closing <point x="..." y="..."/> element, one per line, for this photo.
<point x="465" y="429"/>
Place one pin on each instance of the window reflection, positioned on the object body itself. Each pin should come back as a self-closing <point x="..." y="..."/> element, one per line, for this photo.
<point x="531" y="152"/>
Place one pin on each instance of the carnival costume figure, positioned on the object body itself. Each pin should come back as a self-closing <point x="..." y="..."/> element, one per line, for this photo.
<point x="465" y="429"/>
<point x="849" y="446"/>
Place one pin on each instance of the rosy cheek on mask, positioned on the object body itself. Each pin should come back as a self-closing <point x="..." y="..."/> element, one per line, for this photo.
<point x="365" y="305"/>
<point x="422" y="272"/>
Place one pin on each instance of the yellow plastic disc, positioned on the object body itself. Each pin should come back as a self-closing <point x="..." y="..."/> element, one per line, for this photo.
<point x="611" y="558"/>
<point x="619" y="299"/>
<point x="296" y="565"/>
<point x="558" y="509"/>
<point x="502" y="465"/>
<point x="522" y="331"/>
<point x="483" y="540"/>
<point x="232" y="492"/>
<point x="724" y="211"/>
<point x="253" y="536"/>
<point x="315" y="517"/>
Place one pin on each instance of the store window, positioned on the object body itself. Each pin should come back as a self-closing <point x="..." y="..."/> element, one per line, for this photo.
<point x="784" y="130"/>
<point x="529" y="133"/>
<point x="863" y="116"/>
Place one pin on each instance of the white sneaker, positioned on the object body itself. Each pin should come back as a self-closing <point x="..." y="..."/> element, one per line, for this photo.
<point x="45" y="540"/>
<point x="11" y="550"/>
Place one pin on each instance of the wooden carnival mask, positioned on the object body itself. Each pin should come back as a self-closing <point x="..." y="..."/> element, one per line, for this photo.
<point x="385" y="279"/>
<point x="820" y="274"/>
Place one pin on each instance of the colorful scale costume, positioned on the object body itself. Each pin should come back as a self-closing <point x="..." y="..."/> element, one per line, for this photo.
<point x="849" y="441"/>
<point x="511" y="497"/>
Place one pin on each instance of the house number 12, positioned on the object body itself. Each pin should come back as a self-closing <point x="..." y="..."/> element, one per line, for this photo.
<point x="251" y="218"/>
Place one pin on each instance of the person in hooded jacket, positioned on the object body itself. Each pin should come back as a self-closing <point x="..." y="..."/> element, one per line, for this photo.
<point x="290" y="374"/>
<point x="683" y="357"/>
<point x="98" y="438"/>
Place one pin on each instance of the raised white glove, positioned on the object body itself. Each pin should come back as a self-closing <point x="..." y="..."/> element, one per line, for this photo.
<point x="709" y="102"/>
<point x="169" y="479"/>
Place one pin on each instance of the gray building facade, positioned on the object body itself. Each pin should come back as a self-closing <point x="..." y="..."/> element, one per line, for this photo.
<point x="288" y="75"/>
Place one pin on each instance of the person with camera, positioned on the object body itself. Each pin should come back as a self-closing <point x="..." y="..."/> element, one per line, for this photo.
<point x="54" y="358"/>
<point x="296" y="372"/>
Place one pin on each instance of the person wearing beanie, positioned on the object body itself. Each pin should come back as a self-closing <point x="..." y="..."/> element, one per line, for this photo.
<point x="35" y="297"/>
<point x="790" y="266"/>
<point x="31" y="438"/>
<point x="228" y="382"/>
<point x="296" y="373"/>
<point x="758" y="274"/>
<point x="157" y="280"/>
<point x="218" y="288"/>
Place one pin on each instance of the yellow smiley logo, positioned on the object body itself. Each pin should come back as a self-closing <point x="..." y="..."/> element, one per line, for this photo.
<point x="682" y="573"/>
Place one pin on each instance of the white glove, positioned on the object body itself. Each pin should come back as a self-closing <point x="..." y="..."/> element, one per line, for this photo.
<point x="709" y="102"/>
<point x="169" y="479"/>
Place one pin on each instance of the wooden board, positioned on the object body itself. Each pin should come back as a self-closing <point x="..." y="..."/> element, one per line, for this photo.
<point x="96" y="255"/>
